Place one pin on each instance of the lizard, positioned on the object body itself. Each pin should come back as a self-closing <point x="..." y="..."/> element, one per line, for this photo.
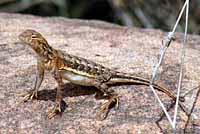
<point x="79" y="71"/>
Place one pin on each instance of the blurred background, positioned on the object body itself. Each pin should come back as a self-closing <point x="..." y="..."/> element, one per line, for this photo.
<point x="160" y="14"/>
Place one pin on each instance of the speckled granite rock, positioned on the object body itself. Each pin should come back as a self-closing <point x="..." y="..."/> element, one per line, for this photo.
<point x="129" y="50"/>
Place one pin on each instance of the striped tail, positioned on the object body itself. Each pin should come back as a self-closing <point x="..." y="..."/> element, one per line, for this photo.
<point x="123" y="78"/>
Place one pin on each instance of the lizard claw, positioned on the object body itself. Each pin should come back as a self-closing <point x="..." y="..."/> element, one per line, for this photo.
<point x="54" y="111"/>
<point x="29" y="96"/>
<point x="106" y="107"/>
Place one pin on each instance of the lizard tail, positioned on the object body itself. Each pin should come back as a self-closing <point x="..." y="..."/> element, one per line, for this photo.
<point x="128" y="79"/>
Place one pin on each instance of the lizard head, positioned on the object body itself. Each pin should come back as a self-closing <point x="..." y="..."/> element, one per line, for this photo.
<point x="31" y="37"/>
<point x="35" y="40"/>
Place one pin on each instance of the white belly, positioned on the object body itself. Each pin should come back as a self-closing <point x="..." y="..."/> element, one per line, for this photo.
<point x="77" y="79"/>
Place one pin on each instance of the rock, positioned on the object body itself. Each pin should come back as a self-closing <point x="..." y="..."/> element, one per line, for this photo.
<point x="130" y="50"/>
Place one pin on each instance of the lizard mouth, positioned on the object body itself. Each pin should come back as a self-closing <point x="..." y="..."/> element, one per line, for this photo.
<point x="21" y="37"/>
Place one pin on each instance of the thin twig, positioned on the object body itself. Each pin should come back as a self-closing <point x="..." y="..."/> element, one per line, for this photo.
<point x="192" y="109"/>
<point x="189" y="91"/>
<point x="166" y="44"/>
<point x="182" y="64"/>
<point x="179" y="17"/>
<point x="162" y="115"/>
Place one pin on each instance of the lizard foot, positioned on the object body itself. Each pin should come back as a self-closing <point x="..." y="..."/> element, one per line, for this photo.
<point x="29" y="96"/>
<point x="54" y="111"/>
<point x="104" y="110"/>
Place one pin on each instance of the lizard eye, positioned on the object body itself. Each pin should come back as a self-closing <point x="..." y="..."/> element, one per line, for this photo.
<point x="33" y="36"/>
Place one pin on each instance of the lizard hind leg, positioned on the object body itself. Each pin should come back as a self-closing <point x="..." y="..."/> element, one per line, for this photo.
<point x="113" y="100"/>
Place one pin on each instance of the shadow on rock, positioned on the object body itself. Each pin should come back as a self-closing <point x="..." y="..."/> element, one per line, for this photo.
<point x="70" y="90"/>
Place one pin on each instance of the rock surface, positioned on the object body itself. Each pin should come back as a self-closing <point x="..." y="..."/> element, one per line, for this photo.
<point x="125" y="49"/>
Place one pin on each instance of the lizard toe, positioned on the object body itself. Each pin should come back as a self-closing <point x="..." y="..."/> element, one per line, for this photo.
<point x="54" y="111"/>
<point x="104" y="110"/>
<point x="29" y="95"/>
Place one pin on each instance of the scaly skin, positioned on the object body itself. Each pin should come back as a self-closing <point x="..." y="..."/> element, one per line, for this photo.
<point x="78" y="71"/>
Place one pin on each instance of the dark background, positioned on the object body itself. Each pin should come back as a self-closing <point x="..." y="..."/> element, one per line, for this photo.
<point x="160" y="14"/>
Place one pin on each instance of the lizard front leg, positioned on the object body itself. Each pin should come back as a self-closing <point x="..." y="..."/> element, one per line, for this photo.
<point x="113" y="99"/>
<point x="59" y="95"/>
<point x="39" y="78"/>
